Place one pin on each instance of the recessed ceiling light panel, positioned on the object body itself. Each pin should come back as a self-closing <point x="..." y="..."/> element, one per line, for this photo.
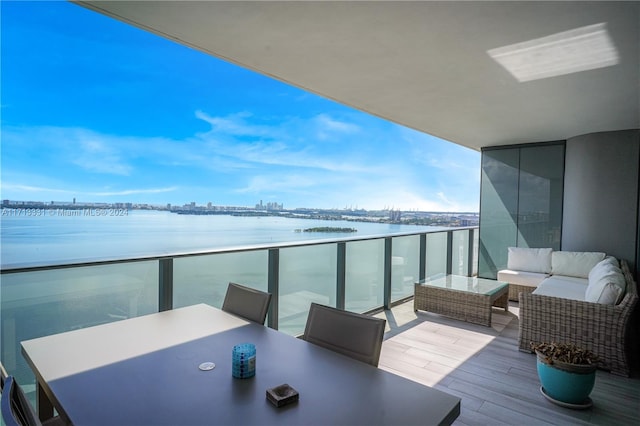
<point x="568" y="52"/>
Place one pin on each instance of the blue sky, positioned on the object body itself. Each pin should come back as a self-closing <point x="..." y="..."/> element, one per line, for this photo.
<point x="100" y="111"/>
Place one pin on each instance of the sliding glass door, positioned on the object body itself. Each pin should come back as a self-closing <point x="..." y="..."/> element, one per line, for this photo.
<point x="520" y="201"/>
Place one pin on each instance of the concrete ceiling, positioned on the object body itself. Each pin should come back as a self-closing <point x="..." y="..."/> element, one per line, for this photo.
<point x="420" y="64"/>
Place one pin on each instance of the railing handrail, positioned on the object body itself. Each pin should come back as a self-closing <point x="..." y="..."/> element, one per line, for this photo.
<point x="19" y="268"/>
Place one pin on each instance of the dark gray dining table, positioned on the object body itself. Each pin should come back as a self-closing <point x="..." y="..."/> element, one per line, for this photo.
<point x="145" y="371"/>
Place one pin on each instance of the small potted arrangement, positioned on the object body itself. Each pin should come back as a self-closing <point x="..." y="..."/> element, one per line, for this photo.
<point x="567" y="373"/>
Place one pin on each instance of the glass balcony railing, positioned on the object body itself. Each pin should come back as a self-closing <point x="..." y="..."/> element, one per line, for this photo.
<point x="358" y="274"/>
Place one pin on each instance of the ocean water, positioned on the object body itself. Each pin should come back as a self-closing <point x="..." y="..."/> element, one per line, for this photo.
<point x="53" y="237"/>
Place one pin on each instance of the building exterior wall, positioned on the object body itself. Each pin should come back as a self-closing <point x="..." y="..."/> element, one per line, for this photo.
<point x="599" y="200"/>
<point x="600" y="208"/>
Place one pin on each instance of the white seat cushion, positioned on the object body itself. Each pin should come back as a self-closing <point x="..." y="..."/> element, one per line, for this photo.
<point x="574" y="263"/>
<point x="531" y="279"/>
<point x="529" y="259"/>
<point x="565" y="287"/>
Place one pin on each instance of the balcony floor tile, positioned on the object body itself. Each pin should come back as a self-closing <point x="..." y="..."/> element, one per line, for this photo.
<point x="497" y="383"/>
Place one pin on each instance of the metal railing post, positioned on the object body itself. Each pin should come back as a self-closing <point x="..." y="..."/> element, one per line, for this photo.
<point x="273" y="287"/>
<point x="422" y="272"/>
<point x="341" y="275"/>
<point x="386" y="300"/>
<point x="449" y="252"/>
<point x="470" y="254"/>
<point x="165" y="284"/>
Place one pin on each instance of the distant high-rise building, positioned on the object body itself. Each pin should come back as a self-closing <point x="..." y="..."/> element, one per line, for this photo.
<point x="395" y="215"/>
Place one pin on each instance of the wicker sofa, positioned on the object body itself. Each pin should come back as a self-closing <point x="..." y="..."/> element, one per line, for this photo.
<point x="527" y="268"/>
<point x="601" y="327"/>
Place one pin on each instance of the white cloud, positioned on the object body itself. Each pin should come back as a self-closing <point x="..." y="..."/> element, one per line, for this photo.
<point x="370" y="168"/>
<point x="443" y="198"/>
<point x="276" y="145"/>
<point x="94" y="152"/>
<point x="234" y="124"/>
<point x="328" y="126"/>
<point x="9" y="189"/>
<point x="281" y="183"/>
<point x="133" y="191"/>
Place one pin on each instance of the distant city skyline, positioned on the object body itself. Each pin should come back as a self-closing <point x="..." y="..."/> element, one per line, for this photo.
<point x="274" y="206"/>
<point x="100" y="111"/>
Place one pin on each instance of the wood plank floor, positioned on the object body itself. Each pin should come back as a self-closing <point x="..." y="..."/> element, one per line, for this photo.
<point x="498" y="384"/>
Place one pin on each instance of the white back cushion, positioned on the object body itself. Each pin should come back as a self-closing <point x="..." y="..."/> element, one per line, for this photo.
<point x="574" y="263"/>
<point x="606" y="283"/>
<point x="529" y="259"/>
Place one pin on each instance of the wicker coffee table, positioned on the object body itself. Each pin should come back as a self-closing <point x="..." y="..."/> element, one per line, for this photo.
<point x="465" y="298"/>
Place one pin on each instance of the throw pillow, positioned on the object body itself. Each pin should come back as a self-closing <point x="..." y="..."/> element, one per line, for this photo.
<point x="603" y="267"/>
<point x="529" y="259"/>
<point x="606" y="284"/>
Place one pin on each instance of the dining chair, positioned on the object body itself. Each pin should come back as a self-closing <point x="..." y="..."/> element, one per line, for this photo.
<point x="355" y="335"/>
<point x="246" y="302"/>
<point x="16" y="409"/>
<point x="3" y="376"/>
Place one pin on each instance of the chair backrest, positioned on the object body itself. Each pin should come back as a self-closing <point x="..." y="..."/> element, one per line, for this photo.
<point x="247" y="302"/>
<point x="355" y="335"/>
<point x="16" y="409"/>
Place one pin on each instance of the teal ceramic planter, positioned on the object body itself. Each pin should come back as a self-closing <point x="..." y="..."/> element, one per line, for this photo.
<point x="567" y="383"/>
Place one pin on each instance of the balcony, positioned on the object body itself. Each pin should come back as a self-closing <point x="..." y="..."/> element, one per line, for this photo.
<point x="497" y="383"/>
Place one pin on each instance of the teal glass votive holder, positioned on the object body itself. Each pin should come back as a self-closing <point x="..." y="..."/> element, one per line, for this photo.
<point x="244" y="361"/>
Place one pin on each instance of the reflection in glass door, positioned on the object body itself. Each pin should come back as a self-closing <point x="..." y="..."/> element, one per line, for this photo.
<point x="520" y="202"/>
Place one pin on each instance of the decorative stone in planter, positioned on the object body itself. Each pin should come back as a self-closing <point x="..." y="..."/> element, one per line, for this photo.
<point x="567" y="374"/>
